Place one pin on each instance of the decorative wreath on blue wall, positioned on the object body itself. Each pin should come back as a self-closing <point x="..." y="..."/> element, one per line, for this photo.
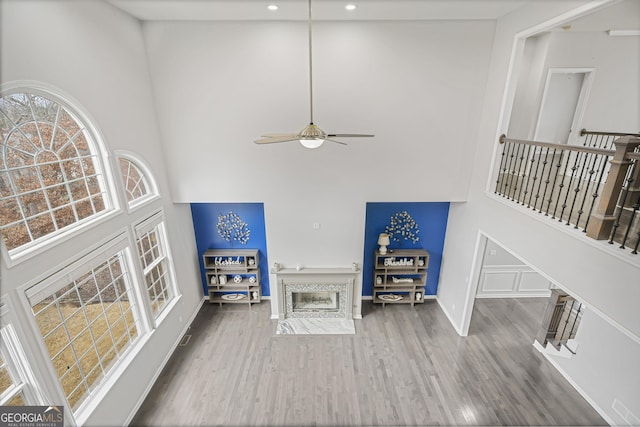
<point x="232" y="227"/>
<point x="403" y="227"/>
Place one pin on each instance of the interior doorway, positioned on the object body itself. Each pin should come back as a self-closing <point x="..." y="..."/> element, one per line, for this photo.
<point x="562" y="105"/>
<point x="498" y="273"/>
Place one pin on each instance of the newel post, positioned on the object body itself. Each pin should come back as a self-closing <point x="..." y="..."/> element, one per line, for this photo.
<point x="602" y="219"/>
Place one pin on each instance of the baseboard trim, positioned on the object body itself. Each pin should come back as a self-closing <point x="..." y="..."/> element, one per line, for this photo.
<point x="446" y="313"/>
<point x="144" y="395"/>
<point x="582" y="393"/>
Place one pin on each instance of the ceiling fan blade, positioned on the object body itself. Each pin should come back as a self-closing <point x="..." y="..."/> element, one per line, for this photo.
<point x="342" y="135"/>
<point x="278" y="135"/>
<point x="337" y="142"/>
<point x="286" y="138"/>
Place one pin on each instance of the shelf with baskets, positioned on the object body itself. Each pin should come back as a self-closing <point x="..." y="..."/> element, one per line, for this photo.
<point x="232" y="275"/>
<point x="400" y="276"/>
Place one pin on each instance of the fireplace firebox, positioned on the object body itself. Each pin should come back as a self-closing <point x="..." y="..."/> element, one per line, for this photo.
<point x="304" y="302"/>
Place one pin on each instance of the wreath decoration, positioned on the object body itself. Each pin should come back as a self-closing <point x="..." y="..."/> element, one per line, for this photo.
<point x="232" y="227"/>
<point x="403" y="227"/>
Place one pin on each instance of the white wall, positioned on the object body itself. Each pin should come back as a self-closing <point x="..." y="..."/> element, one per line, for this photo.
<point x="95" y="53"/>
<point x="610" y="106"/>
<point x="611" y="358"/>
<point x="417" y="86"/>
<point x="528" y="94"/>
<point x="586" y="269"/>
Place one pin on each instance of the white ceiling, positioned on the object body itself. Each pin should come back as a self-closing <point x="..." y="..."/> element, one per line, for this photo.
<point x="207" y="10"/>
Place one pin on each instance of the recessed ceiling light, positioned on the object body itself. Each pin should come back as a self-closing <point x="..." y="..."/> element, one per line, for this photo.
<point x="272" y="7"/>
<point x="351" y="7"/>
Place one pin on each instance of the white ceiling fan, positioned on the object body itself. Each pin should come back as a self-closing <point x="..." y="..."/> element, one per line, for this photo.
<point x="311" y="136"/>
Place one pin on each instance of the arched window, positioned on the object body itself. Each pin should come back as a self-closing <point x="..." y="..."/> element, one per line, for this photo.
<point x="138" y="183"/>
<point x="51" y="174"/>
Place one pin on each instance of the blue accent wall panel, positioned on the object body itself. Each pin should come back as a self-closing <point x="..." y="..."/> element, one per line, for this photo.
<point x="205" y="218"/>
<point x="432" y="221"/>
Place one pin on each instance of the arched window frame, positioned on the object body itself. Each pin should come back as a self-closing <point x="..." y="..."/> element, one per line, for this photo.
<point x="148" y="177"/>
<point x="97" y="146"/>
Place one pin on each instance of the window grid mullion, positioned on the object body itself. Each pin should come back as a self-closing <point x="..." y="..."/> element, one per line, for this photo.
<point x="153" y="263"/>
<point x="109" y="329"/>
<point x="11" y="392"/>
<point x="126" y="181"/>
<point x="20" y="207"/>
<point x="35" y="119"/>
<point x="43" y="188"/>
<point x="119" y="298"/>
<point x="18" y="128"/>
<point x="55" y="127"/>
<point x="136" y="185"/>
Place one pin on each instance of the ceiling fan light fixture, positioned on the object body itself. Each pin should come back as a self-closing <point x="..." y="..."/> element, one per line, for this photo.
<point x="312" y="136"/>
<point x="311" y="143"/>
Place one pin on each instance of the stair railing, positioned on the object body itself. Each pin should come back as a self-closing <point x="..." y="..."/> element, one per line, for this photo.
<point x="604" y="140"/>
<point x="595" y="189"/>
<point x="561" y="319"/>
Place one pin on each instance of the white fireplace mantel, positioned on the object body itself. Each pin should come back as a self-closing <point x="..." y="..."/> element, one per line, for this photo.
<point x="309" y="271"/>
<point x="339" y="280"/>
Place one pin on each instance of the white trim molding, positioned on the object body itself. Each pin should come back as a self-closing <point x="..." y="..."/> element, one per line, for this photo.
<point x="512" y="281"/>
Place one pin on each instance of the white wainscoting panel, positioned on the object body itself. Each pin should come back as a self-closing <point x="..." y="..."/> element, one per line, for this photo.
<point x="511" y="281"/>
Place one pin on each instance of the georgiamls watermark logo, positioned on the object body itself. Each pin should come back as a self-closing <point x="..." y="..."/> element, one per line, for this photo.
<point x="32" y="416"/>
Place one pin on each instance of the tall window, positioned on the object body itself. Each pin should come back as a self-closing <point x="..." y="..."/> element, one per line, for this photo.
<point x="17" y="382"/>
<point x="11" y="382"/>
<point x="88" y="320"/>
<point x="152" y="248"/>
<point x="50" y="174"/>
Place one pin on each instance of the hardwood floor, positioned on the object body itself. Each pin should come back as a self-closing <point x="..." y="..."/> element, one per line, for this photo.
<point x="405" y="366"/>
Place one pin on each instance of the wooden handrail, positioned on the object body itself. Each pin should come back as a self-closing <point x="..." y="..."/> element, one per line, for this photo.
<point x="634" y="156"/>
<point x="580" y="148"/>
<point x="584" y="132"/>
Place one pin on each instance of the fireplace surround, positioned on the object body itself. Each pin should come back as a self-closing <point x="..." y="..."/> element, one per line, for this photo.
<point x="315" y="293"/>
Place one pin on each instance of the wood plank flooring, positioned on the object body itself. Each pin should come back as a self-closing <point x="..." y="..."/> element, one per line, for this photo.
<point x="404" y="367"/>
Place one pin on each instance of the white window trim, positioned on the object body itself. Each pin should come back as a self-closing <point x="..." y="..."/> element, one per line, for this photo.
<point x="14" y="356"/>
<point x="112" y="205"/>
<point x="38" y="287"/>
<point x="153" y="193"/>
<point x="74" y="270"/>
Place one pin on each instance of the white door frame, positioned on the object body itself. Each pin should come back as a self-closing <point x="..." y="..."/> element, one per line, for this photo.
<point x="581" y="105"/>
<point x="474" y="282"/>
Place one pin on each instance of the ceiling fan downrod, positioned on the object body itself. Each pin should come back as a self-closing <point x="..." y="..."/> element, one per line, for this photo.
<point x="311" y="136"/>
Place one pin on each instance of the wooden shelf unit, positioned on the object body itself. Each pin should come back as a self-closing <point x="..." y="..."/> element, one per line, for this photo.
<point x="401" y="272"/>
<point x="223" y="265"/>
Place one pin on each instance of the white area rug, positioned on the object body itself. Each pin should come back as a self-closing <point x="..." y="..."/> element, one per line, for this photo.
<point x="315" y="327"/>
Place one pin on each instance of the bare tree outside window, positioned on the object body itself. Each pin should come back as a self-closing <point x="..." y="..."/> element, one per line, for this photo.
<point x="50" y="176"/>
